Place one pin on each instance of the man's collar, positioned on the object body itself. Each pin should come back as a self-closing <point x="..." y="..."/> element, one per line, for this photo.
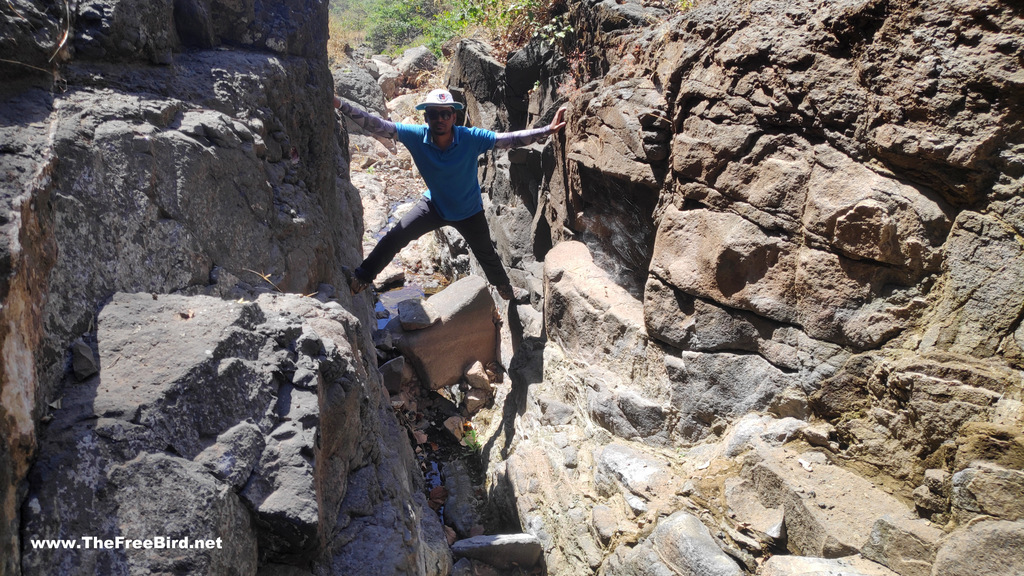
<point x="429" y="140"/>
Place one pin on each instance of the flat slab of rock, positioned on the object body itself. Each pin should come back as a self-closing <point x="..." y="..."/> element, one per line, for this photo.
<point x="803" y="566"/>
<point x="741" y="497"/>
<point x="502" y="551"/>
<point x="907" y="545"/>
<point x="829" y="512"/>
<point x="465" y="333"/>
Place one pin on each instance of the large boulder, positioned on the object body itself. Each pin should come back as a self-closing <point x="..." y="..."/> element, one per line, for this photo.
<point x="205" y="422"/>
<point x="464" y="333"/>
<point x="355" y="84"/>
<point x="123" y="442"/>
<point x="413" y="63"/>
<point x="680" y="544"/>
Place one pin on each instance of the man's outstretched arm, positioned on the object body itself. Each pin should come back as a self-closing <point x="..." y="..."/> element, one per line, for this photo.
<point x="372" y="124"/>
<point x="527" y="137"/>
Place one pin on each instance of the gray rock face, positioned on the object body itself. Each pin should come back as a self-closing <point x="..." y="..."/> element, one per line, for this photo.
<point x="202" y="425"/>
<point x="803" y="209"/>
<point x="151" y="31"/>
<point x="124" y="440"/>
<point x="216" y="167"/>
<point x="786" y="243"/>
<point x="144" y="499"/>
<point x="30" y="34"/>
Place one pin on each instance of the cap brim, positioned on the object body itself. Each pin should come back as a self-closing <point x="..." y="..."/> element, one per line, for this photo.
<point x="425" y="105"/>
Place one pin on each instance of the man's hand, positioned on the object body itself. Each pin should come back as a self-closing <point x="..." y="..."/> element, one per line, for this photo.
<point x="558" y="122"/>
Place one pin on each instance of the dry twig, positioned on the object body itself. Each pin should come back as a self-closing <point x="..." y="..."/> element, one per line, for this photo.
<point x="266" y="278"/>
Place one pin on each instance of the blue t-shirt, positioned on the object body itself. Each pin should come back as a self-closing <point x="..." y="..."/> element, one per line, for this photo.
<point x="451" y="175"/>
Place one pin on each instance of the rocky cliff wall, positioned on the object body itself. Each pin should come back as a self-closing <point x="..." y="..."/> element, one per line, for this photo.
<point x="788" y="190"/>
<point x="798" y="209"/>
<point x="187" y="147"/>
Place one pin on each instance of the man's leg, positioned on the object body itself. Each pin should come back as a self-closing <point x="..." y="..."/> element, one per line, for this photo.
<point x="478" y="236"/>
<point x="417" y="222"/>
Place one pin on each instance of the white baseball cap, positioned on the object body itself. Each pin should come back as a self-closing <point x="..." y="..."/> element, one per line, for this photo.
<point x="439" y="97"/>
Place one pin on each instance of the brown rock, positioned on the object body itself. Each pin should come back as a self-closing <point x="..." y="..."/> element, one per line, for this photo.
<point x="477" y="377"/>
<point x="1001" y="541"/>
<point x="466" y="333"/>
<point x="987" y="489"/>
<point x="904" y="544"/>
<point x="1003" y="445"/>
<point x="829" y="512"/>
<point x="588" y="311"/>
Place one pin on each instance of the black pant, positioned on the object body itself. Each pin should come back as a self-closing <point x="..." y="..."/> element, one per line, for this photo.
<point x="424" y="218"/>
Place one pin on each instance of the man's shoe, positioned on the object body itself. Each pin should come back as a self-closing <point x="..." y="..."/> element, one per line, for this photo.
<point x="356" y="285"/>
<point x="513" y="294"/>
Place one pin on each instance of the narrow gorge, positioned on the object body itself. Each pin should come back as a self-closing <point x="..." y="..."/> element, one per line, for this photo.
<point x="775" y="266"/>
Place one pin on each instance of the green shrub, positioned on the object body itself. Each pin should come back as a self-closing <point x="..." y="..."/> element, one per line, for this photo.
<point x="395" y="23"/>
<point x="391" y="25"/>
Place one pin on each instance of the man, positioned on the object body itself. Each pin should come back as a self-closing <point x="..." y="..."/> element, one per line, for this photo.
<point x="446" y="156"/>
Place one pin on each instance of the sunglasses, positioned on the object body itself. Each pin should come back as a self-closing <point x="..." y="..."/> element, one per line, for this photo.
<point x="443" y="113"/>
